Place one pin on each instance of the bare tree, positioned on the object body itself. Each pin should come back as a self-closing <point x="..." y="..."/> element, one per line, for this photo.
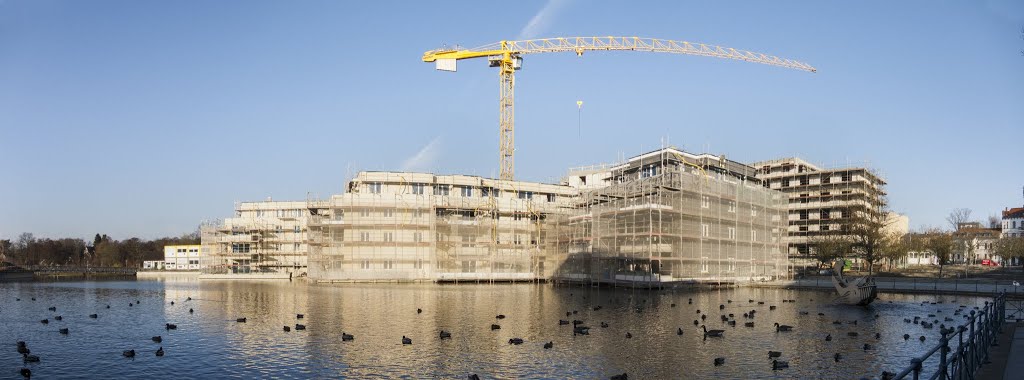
<point x="941" y="245"/>
<point x="957" y="216"/>
<point x="829" y="247"/>
<point x="869" y="233"/>
<point x="994" y="221"/>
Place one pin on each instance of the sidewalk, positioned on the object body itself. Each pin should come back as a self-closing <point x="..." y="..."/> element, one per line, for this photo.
<point x="1007" y="359"/>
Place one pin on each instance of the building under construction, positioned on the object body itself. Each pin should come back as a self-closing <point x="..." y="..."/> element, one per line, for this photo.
<point x="670" y="216"/>
<point x="662" y="217"/>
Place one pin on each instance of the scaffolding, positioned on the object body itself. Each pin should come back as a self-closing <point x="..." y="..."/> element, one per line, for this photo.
<point x="669" y="218"/>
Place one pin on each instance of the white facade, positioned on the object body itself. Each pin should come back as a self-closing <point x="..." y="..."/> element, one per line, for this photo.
<point x="182" y="257"/>
<point x="153" y="264"/>
<point x="263" y="237"/>
<point x="1013" y="222"/>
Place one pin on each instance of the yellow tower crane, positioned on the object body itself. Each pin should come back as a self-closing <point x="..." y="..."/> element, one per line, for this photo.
<point x="507" y="57"/>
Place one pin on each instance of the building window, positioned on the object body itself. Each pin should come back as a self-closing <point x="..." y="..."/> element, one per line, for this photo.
<point x="466" y="191"/>
<point x="517" y="239"/>
<point x="374" y="187"/>
<point x="517" y="217"/>
<point x="753" y="211"/>
<point x="364" y="236"/>
<point x="826" y="213"/>
<point x="441" y="190"/>
<point x="388" y="264"/>
<point x="525" y="195"/>
<point x="825" y="227"/>
<point x="732" y="233"/>
<point x="803" y="228"/>
<point x="845" y="213"/>
<point x="847" y="177"/>
<point x="551" y="197"/>
<point x="417" y="188"/>
<point x="705" y="201"/>
<point x="705" y="230"/>
<point x="297" y="229"/>
<point x="803" y="214"/>
<point x="389" y="212"/>
<point x="365" y="264"/>
<point x="417" y="237"/>
<point x="826" y="179"/>
<point x="753" y="235"/>
<point x="803" y="181"/>
<point x="418" y="264"/>
<point x="240" y="247"/>
<point x="785" y="183"/>
<point x="649" y="171"/>
<point x="485" y="192"/>
<point x="389" y="236"/>
<point x="704" y="265"/>
<point x="732" y="206"/>
<point x="364" y="212"/>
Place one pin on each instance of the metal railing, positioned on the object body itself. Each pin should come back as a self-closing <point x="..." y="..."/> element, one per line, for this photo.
<point x="974" y="340"/>
<point x="982" y="287"/>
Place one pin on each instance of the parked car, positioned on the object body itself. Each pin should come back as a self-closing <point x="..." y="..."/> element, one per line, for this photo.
<point x="990" y="263"/>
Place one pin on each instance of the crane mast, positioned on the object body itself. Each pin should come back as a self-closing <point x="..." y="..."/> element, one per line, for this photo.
<point x="507" y="57"/>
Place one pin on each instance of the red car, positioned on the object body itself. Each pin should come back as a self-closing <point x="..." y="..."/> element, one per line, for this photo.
<point x="989" y="263"/>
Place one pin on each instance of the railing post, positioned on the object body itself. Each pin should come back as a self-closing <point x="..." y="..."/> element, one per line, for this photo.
<point x="943" y="361"/>
<point x="917" y="367"/>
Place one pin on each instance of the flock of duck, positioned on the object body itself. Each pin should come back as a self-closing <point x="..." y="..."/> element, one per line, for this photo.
<point x="580" y="328"/>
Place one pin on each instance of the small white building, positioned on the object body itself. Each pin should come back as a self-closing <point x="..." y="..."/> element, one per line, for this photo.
<point x="182" y="257"/>
<point x="153" y="264"/>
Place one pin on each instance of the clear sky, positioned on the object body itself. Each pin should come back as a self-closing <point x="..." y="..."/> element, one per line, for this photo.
<point x="143" y="118"/>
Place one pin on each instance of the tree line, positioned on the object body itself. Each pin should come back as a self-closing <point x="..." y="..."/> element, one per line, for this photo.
<point x="868" y="237"/>
<point x="103" y="251"/>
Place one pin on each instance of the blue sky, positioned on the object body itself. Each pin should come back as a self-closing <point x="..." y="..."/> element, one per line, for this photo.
<point x="142" y="118"/>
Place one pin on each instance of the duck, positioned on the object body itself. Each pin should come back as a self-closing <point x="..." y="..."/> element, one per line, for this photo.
<point x="623" y="376"/>
<point x="108" y="306"/>
<point x="748" y="324"/>
<point x="58" y="318"/>
<point x="696" y="323"/>
<point x="774" y="354"/>
<point x="445" y="335"/>
<point x="922" y="338"/>
<point x="190" y="311"/>
<point x="837" y="357"/>
<point x="52" y="308"/>
<point x="171" y="326"/>
<point x="599" y="307"/>
<point x="157" y="339"/>
<point x="548" y="345"/>
<point x="604" y="324"/>
<point x="690" y="301"/>
<point x="64" y="331"/>
<point x="94" y="316"/>
<point x="719" y="361"/>
<point x="23" y="350"/>
<point x="30" y="358"/>
<point x="299" y="327"/>
<point x="128" y="354"/>
<point x="240" y="320"/>
<point x="779" y="327"/>
<point x="500" y="316"/>
<point x="495" y="327"/>
<point x="26" y="373"/>
<point x="772" y="307"/>
<point x="867" y="346"/>
<point x="906" y="336"/>
<point x="406" y="340"/>
<point x="732" y="323"/>
<point x="679" y="331"/>
<point x="347" y="337"/>
<point x="804" y="313"/>
<point x="515" y="341"/>
<point x="672" y="305"/>
<point x="837" y="322"/>
<point x="852" y="334"/>
<point x="300" y="316"/>
<point x="712" y="333"/>
<point x="828" y="338"/>
<point x="581" y="330"/>
<point x="628" y="335"/>
<point x="878" y="335"/>
<point x="45" y="321"/>
<point x="160" y="351"/>
<point x="172" y="303"/>
<point x="287" y="329"/>
<point x="188" y="299"/>
<point x="562" y="322"/>
<point x="779" y="365"/>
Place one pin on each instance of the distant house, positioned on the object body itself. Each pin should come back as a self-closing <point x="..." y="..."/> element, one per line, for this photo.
<point x="1013" y="222"/>
<point x="153" y="264"/>
<point x="182" y="257"/>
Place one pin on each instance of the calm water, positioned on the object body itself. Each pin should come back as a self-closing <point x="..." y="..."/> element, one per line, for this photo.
<point x="210" y="343"/>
